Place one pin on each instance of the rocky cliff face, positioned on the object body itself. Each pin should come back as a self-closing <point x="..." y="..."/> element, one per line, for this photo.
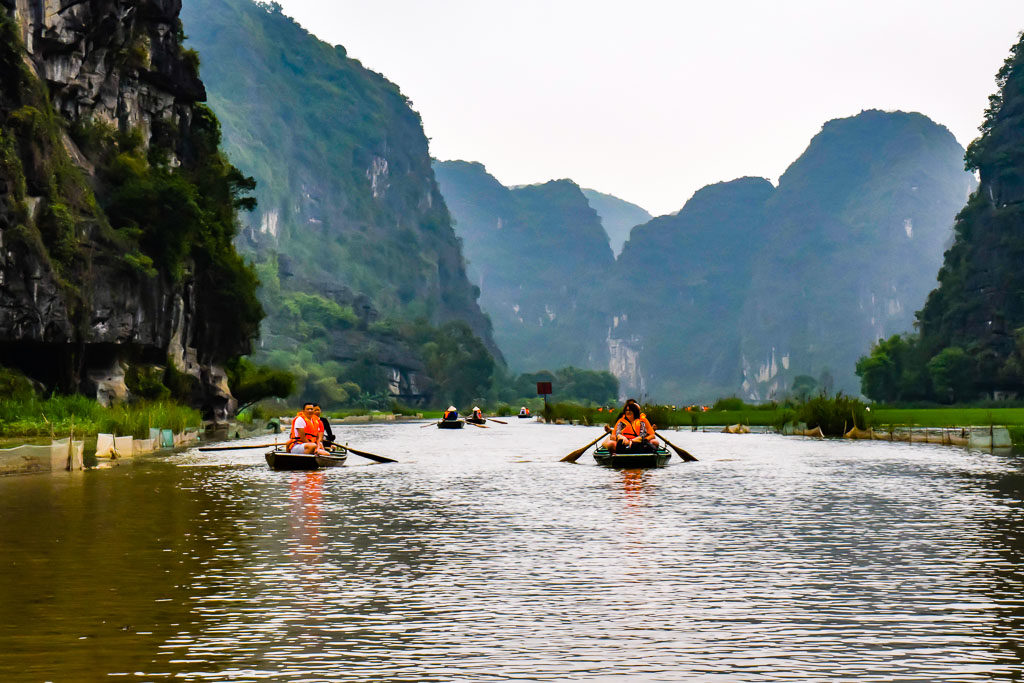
<point x="538" y="254"/>
<point x="345" y="188"/>
<point x="97" y="96"/>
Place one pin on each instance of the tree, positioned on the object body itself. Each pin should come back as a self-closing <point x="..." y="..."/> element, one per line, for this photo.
<point x="952" y="374"/>
<point x="804" y="386"/>
<point x="251" y="383"/>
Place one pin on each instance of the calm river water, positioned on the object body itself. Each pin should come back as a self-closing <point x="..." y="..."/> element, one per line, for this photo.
<point x="480" y="557"/>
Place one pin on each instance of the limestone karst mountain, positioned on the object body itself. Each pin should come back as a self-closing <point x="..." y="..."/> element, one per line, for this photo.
<point x="541" y="259"/>
<point x="351" y="228"/>
<point x="118" y="208"/>
<point x="753" y="286"/>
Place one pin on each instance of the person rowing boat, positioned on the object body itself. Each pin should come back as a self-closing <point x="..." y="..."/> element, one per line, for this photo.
<point x="632" y="431"/>
<point x="306" y="433"/>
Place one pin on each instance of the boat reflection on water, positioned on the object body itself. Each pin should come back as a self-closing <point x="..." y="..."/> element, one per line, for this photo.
<point x="306" y="518"/>
<point x="636" y="487"/>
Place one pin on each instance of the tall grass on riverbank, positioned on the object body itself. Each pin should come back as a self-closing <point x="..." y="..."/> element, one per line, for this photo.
<point x="58" y="415"/>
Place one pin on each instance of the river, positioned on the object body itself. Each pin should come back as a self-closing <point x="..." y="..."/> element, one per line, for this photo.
<point x="481" y="557"/>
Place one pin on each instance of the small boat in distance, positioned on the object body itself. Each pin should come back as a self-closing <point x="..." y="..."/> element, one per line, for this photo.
<point x="282" y="460"/>
<point x="450" y="424"/>
<point x="476" y="421"/>
<point x="657" y="458"/>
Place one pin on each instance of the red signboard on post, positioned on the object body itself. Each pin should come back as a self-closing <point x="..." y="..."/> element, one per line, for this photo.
<point x="543" y="388"/>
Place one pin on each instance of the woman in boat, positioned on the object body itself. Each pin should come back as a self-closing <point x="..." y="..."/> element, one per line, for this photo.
<point x="306" y="433"/>
<point x="524" y="412"/>
<point x="631" y="430"/>
<point x="450" y="415"/>
<point x="327" y="433"/>
<point x="476" y="415"/>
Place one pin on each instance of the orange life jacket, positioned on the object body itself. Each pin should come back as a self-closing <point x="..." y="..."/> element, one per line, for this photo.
<point x="310" y="433"/>
<point x="632" y="429"/>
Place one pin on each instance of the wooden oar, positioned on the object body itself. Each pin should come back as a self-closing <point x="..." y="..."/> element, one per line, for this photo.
<point x="679" y="451"/>
<point x="491" y="419"/>
<point x="575" y="455"/>
<point x="371" y="456"/>
<point x="429" y="424"/>
<point x="238" y="448"/>
<point x="476" y="425"/>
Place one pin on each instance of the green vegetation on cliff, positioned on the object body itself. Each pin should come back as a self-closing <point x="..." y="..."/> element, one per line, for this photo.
<point x="352" y="238"/>
<point x="107" y="223"/>
<point x="971" y="338"/>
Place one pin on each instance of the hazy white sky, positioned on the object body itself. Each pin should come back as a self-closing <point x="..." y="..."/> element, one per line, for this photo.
<point x="651" y="100"/>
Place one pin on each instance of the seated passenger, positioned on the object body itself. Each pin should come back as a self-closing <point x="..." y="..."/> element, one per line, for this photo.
<point x="451" y="414"/>
<point x="477" y="415"/>
<point x="327" y="434"/>
<point x="632" y="431"/>
<point x="304" y="437"/>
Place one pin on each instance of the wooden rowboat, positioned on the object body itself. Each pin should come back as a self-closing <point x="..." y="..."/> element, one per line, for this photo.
<point x="475" y="421"/>
<point x="525" y="417"/>
<point x="281" y="460"/>
<point x="450" y="424"/>
<point x="658" y="458"/>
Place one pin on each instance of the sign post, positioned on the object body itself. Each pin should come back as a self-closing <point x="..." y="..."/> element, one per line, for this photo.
<point x="544" y="389"/>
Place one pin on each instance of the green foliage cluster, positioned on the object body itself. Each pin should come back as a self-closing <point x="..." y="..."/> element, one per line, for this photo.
<point x="251" y="383"/>
<point x="836" y="415"/>
<point x="59" y="415"/>
<point x="15" y="385"/>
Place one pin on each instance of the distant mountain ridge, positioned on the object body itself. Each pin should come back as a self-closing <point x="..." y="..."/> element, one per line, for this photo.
<point x="617" y="216"/>
<point x="539" y="255"/>
<point x="840" y="254"/>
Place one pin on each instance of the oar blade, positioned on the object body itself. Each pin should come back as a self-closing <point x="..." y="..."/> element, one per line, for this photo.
<point x="575" y="455"/>
<point x="369" y="456"/>
<point x="682" y="453"/>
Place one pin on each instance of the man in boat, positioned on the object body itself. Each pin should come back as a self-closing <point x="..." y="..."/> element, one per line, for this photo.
<point x="631" y="431"/>
<point x="451" y="414"/>
<point x="305" y="435"/>
<point x="477" y="415"/>
<point x="524" y="411"/>
<point x="327" y="438"/>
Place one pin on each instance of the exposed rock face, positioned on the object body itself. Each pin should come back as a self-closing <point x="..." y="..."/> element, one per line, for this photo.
<point x="71" y="305"/>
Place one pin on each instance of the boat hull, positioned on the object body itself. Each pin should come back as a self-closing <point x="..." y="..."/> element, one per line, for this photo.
<point x="279" y="460"/>
<point x="524" y="417"/>
<point x="332" y="460"/>
<point x="451" y="424"/>
<point x="476" y="422"/>
<point x="631" y="461"/>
